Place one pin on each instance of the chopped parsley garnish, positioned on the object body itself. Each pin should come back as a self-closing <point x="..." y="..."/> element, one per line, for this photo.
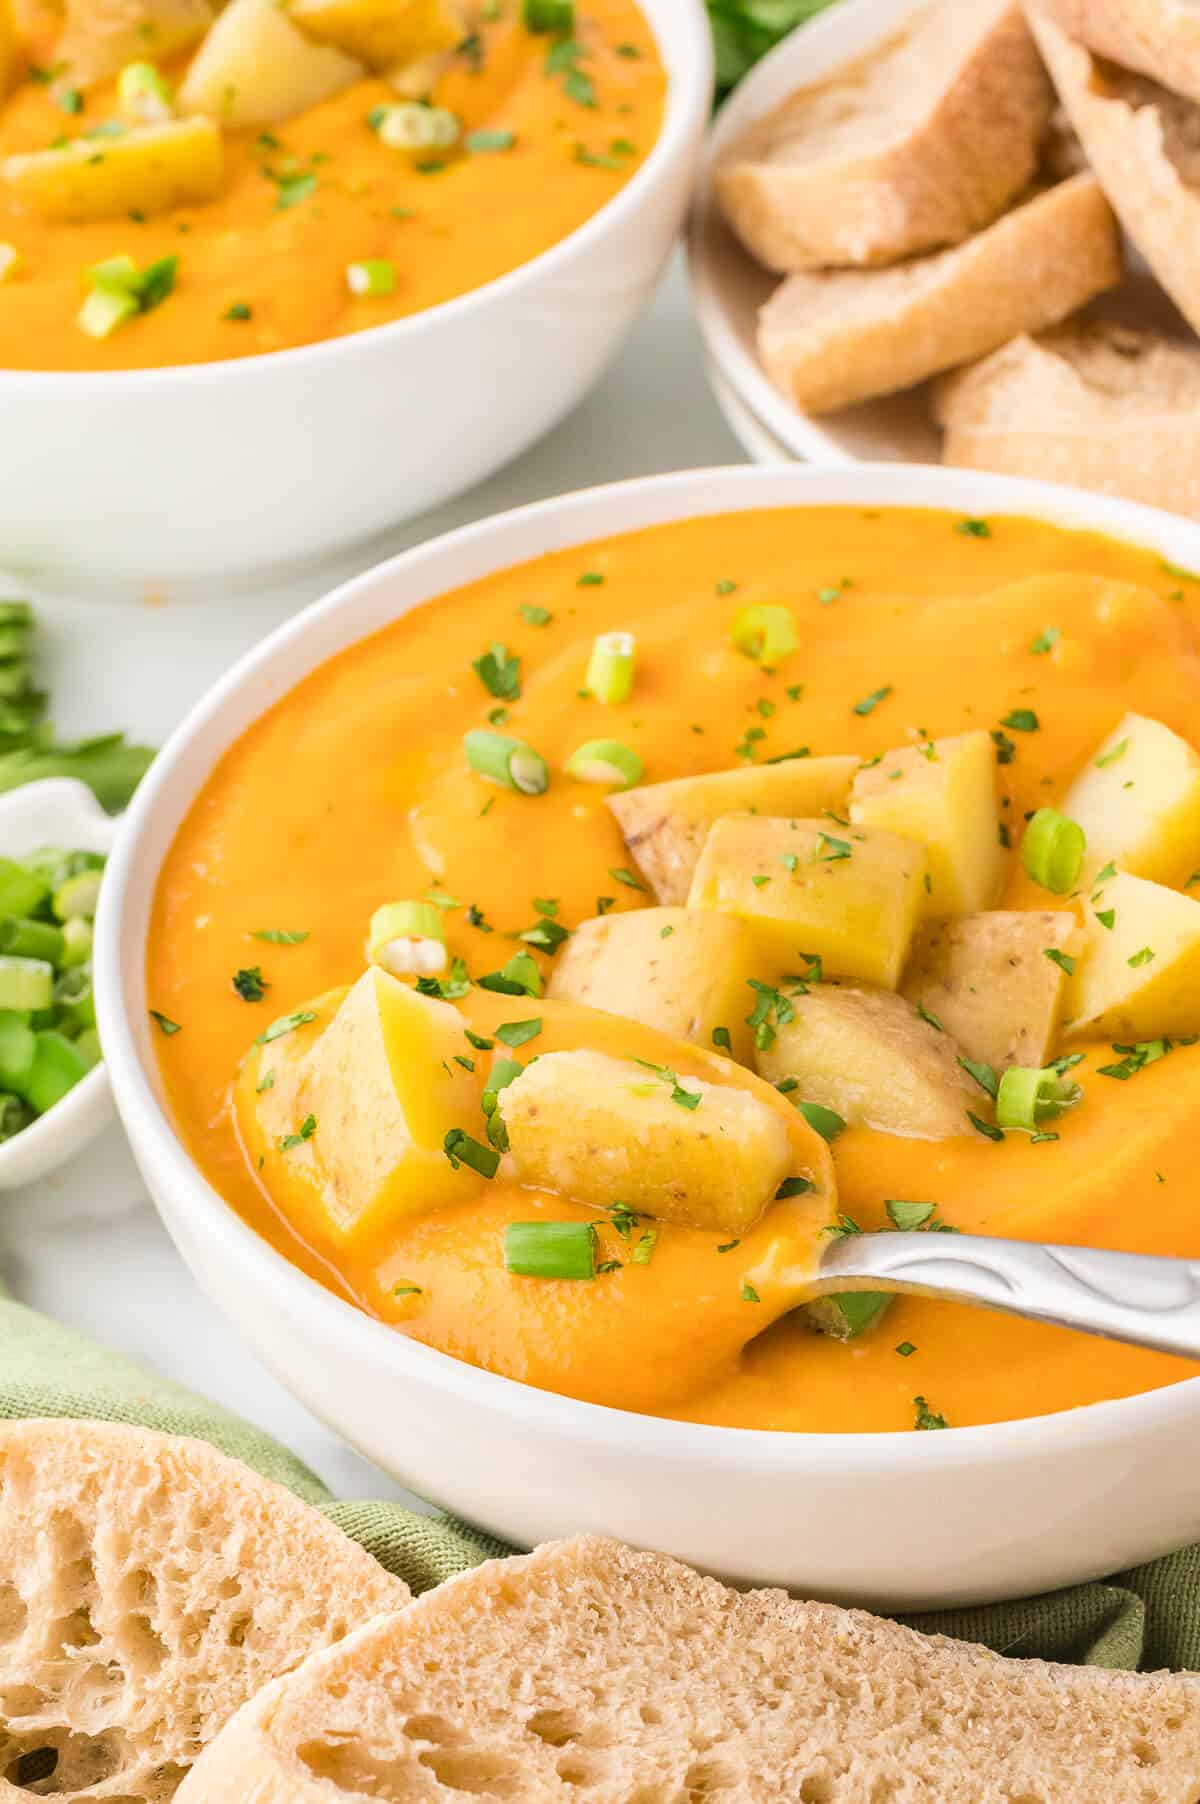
<point x="984" y="1075"/>
<point x="1106" y="917"/>
<point x="1045" y="641"/>
<point x="547" y="935"/>
<point x="801" y="751"/>
<point x="292" y="189"/>
<point x="407" y="1290"/>
<point x="986" y="1128"/>
<point x="725" y="587"/>
<point x="771" y="1010"/>
<point x="843" y="1225"/>
<point x="563" y="59"/>
<point x="461" y="1149"/>
<point x="479" y="1041"/>
<point x="643" y="1250"/>
<point x="620" y="875"/>
<point x="483" y="142"/>
<point x="926" y="1417"/>
<point x="687" y="1099"/>
<point x="728" y="1246"/>
<point x="280" y="936"/>
<point x="1006" y="751"/>
<point x="250" y="984"/>
<point x="1106" y="758"/>
<point x="240" y="310"/>
<point x="308" y="1128"/>
<point x="1136" y="1057"/>
<point x="829" y="850"/>
<point x="906" y="1349"/>
<point x="164" y="1023"/>
<point x="1021" y="720"/>
<point x="929" y="1018"/>
<point x="71" y="100"/>
<point x="749" y="1294"/>
<point x="285" y="1025"/>
<point x="517" y="1033"/>
<point x="869" y="703"/>
<point x="1144" y="957"/>
<point x="793" y="1187"/>
<point x="973" y="529"/>
<point x="535" y="616"/>
<point x="451" y="988"/>
<point x="912" y="1217"/>
<point x="826" y="1122"/>
<point x="1063" y="960"/>
<point x="519" y="977"/>
<point x="266" y="1083"/>
<point x="720" y="1037"/>
<point x="591" y="579"/>
<point x="499" y="673"/>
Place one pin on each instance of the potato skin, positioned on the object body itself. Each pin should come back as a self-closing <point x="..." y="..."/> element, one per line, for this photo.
<point x="987" y="979"/>
<point x="685" y="971"/>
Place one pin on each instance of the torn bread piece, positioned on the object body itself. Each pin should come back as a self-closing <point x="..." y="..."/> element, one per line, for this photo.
<point x="148" y="1586"/>
<point x="912" y="147"/>
<point x="1161" y="38"/>
<point x="589" y="1670"/>
<point x="1143" y="142"/>
<point x="835" y="337"/>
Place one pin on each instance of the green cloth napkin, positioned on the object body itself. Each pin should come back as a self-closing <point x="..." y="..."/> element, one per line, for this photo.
<point x="1146" y="1618"/>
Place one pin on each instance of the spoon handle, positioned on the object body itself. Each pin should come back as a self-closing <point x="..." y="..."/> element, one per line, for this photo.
<point x="1149" y="1301"/>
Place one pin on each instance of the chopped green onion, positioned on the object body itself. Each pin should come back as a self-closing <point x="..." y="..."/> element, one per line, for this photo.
<point x="1052" y="850"/>
<point x="550" y="1249"/>
<point x="373" y="276"/>
<point x="143" y="95"/>
<point x="461" y="1149"/>
<point x="1027" y="1097"/>
<point x="21" y="890"/>
<point x="17" y="1047"/>
<point x="58" y="1066"/>
<point x="610" y="667"/>
<point x="77" y="941"/>
<point x="606" y="761"/>
<point x="14" y="1115"/>
<point x="78" y="896"/>
<point x="31" y="939"/>
<point x="413" y="126"/>
<point x="26" y="984"/>
<point x="74" y="999"/>
<point x="507" y="761"/>
<point x="483" y="142"/>
<point x="546" y="16"/>
<point x="87" y="1045"/>
<point x="408" y="939"/>
<point x="766" y="634"/>
<point x="106" y="308"/>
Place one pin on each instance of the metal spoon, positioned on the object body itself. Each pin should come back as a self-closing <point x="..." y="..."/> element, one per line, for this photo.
<point x="1135" y="1297"/>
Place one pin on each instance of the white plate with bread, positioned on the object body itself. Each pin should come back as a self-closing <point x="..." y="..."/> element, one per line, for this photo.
<point x="996" y="270"/>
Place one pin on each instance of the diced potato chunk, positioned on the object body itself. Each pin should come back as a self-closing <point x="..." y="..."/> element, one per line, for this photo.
<point x="868" y="1055"/>
<point x="383" y="1088"/>
<point x="665" y="824"/>
<point x="1140" y="978"/>
<point x="850" y="896"/>
<point x="150" y="170"/>
<point x="256" y="68"/>
<point x="604" y="1130"/>
<point x="987" y="979"/>
<point x="383" y="33"/>
<point x="943" y="795"/>
<point x="101" y="36"/>
<point x="1138" y="801"/>
<point x="683" y="970"/>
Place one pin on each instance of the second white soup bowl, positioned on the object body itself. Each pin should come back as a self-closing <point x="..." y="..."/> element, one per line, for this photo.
<point x="899" y="1520"/>
<point x="166" y="477"/>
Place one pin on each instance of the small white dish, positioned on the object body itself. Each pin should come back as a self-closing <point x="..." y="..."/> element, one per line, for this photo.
<point x="1017" y="1507"/>
<point x="760" y="445"/>
<point x="227" y="470"/>
<point x="57" y="812"/>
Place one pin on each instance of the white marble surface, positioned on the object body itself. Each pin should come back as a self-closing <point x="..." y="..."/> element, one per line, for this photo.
<point x="86" y="1246"/>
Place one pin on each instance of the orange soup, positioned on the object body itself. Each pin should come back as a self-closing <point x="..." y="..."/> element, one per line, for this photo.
<point x="857" y="644"/>
<point x="390" y="193"/>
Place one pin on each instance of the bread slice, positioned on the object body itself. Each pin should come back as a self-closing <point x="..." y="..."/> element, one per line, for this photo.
<point x="910" y="148"/>
<point x="834" y="337"/>
<point x="1098" y="405"/>
<point x="148" y="1587"/>
<point x="1143" y="142"/>
<point x="588" y="1671"/>
<point x="1161" y="38"/>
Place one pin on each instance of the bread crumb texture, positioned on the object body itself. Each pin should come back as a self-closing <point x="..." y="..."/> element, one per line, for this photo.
<point x="148" y="1587"/>
<point x="587" y="1673"/>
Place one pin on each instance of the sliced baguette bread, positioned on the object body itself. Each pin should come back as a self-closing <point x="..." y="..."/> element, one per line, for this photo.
<point x="830" y="338"/>
<point x="1159" y="37"/>
<point x="1100" y="406"/>
<point x="148" y="1587"/>
<point x="909" y="149"/>
<point x="589" y="1671"/>
<point x="1143" y="142"/>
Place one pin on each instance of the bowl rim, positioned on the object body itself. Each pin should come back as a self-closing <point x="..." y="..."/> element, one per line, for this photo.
<point x="345" y="617"/>
<point x="846" y="31"/>
<point x="685" y="47"/>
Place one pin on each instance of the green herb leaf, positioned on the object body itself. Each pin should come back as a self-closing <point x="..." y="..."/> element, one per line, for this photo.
<point x="164" y="1023"/>
<point x="518" y="1033"/>
<point x="826" y="1122"/>
<point x="926" y="1417"/>
<point x="499" y="673"/>
<point x="250" y="984"/>
<point x="869" y="703"/>
<point x="279" y="936"/>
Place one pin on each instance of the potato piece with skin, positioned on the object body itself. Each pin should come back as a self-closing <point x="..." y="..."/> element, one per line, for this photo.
<point x="685" y="971"/>
<point x="603" y="1130"/>
<point x="1140" y="978"/>
<point x="382" y="1087"/>
<point x="384" y="34"/>
<point x="986" y="978"/>
<point x="101" y="36"/>
<point x="665" y="824"/>
<point x="1138" y="801"/>
<point x="942" y="794"/>
<point x="850" y="896"/>
<point x="256" y="68"/>
<point x="868" y="1055"/>
<point x="151" y="169"/>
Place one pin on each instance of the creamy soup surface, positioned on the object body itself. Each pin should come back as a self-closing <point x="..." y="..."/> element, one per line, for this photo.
<point x="548" y="129"/>
<point x="354" y="790"/>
